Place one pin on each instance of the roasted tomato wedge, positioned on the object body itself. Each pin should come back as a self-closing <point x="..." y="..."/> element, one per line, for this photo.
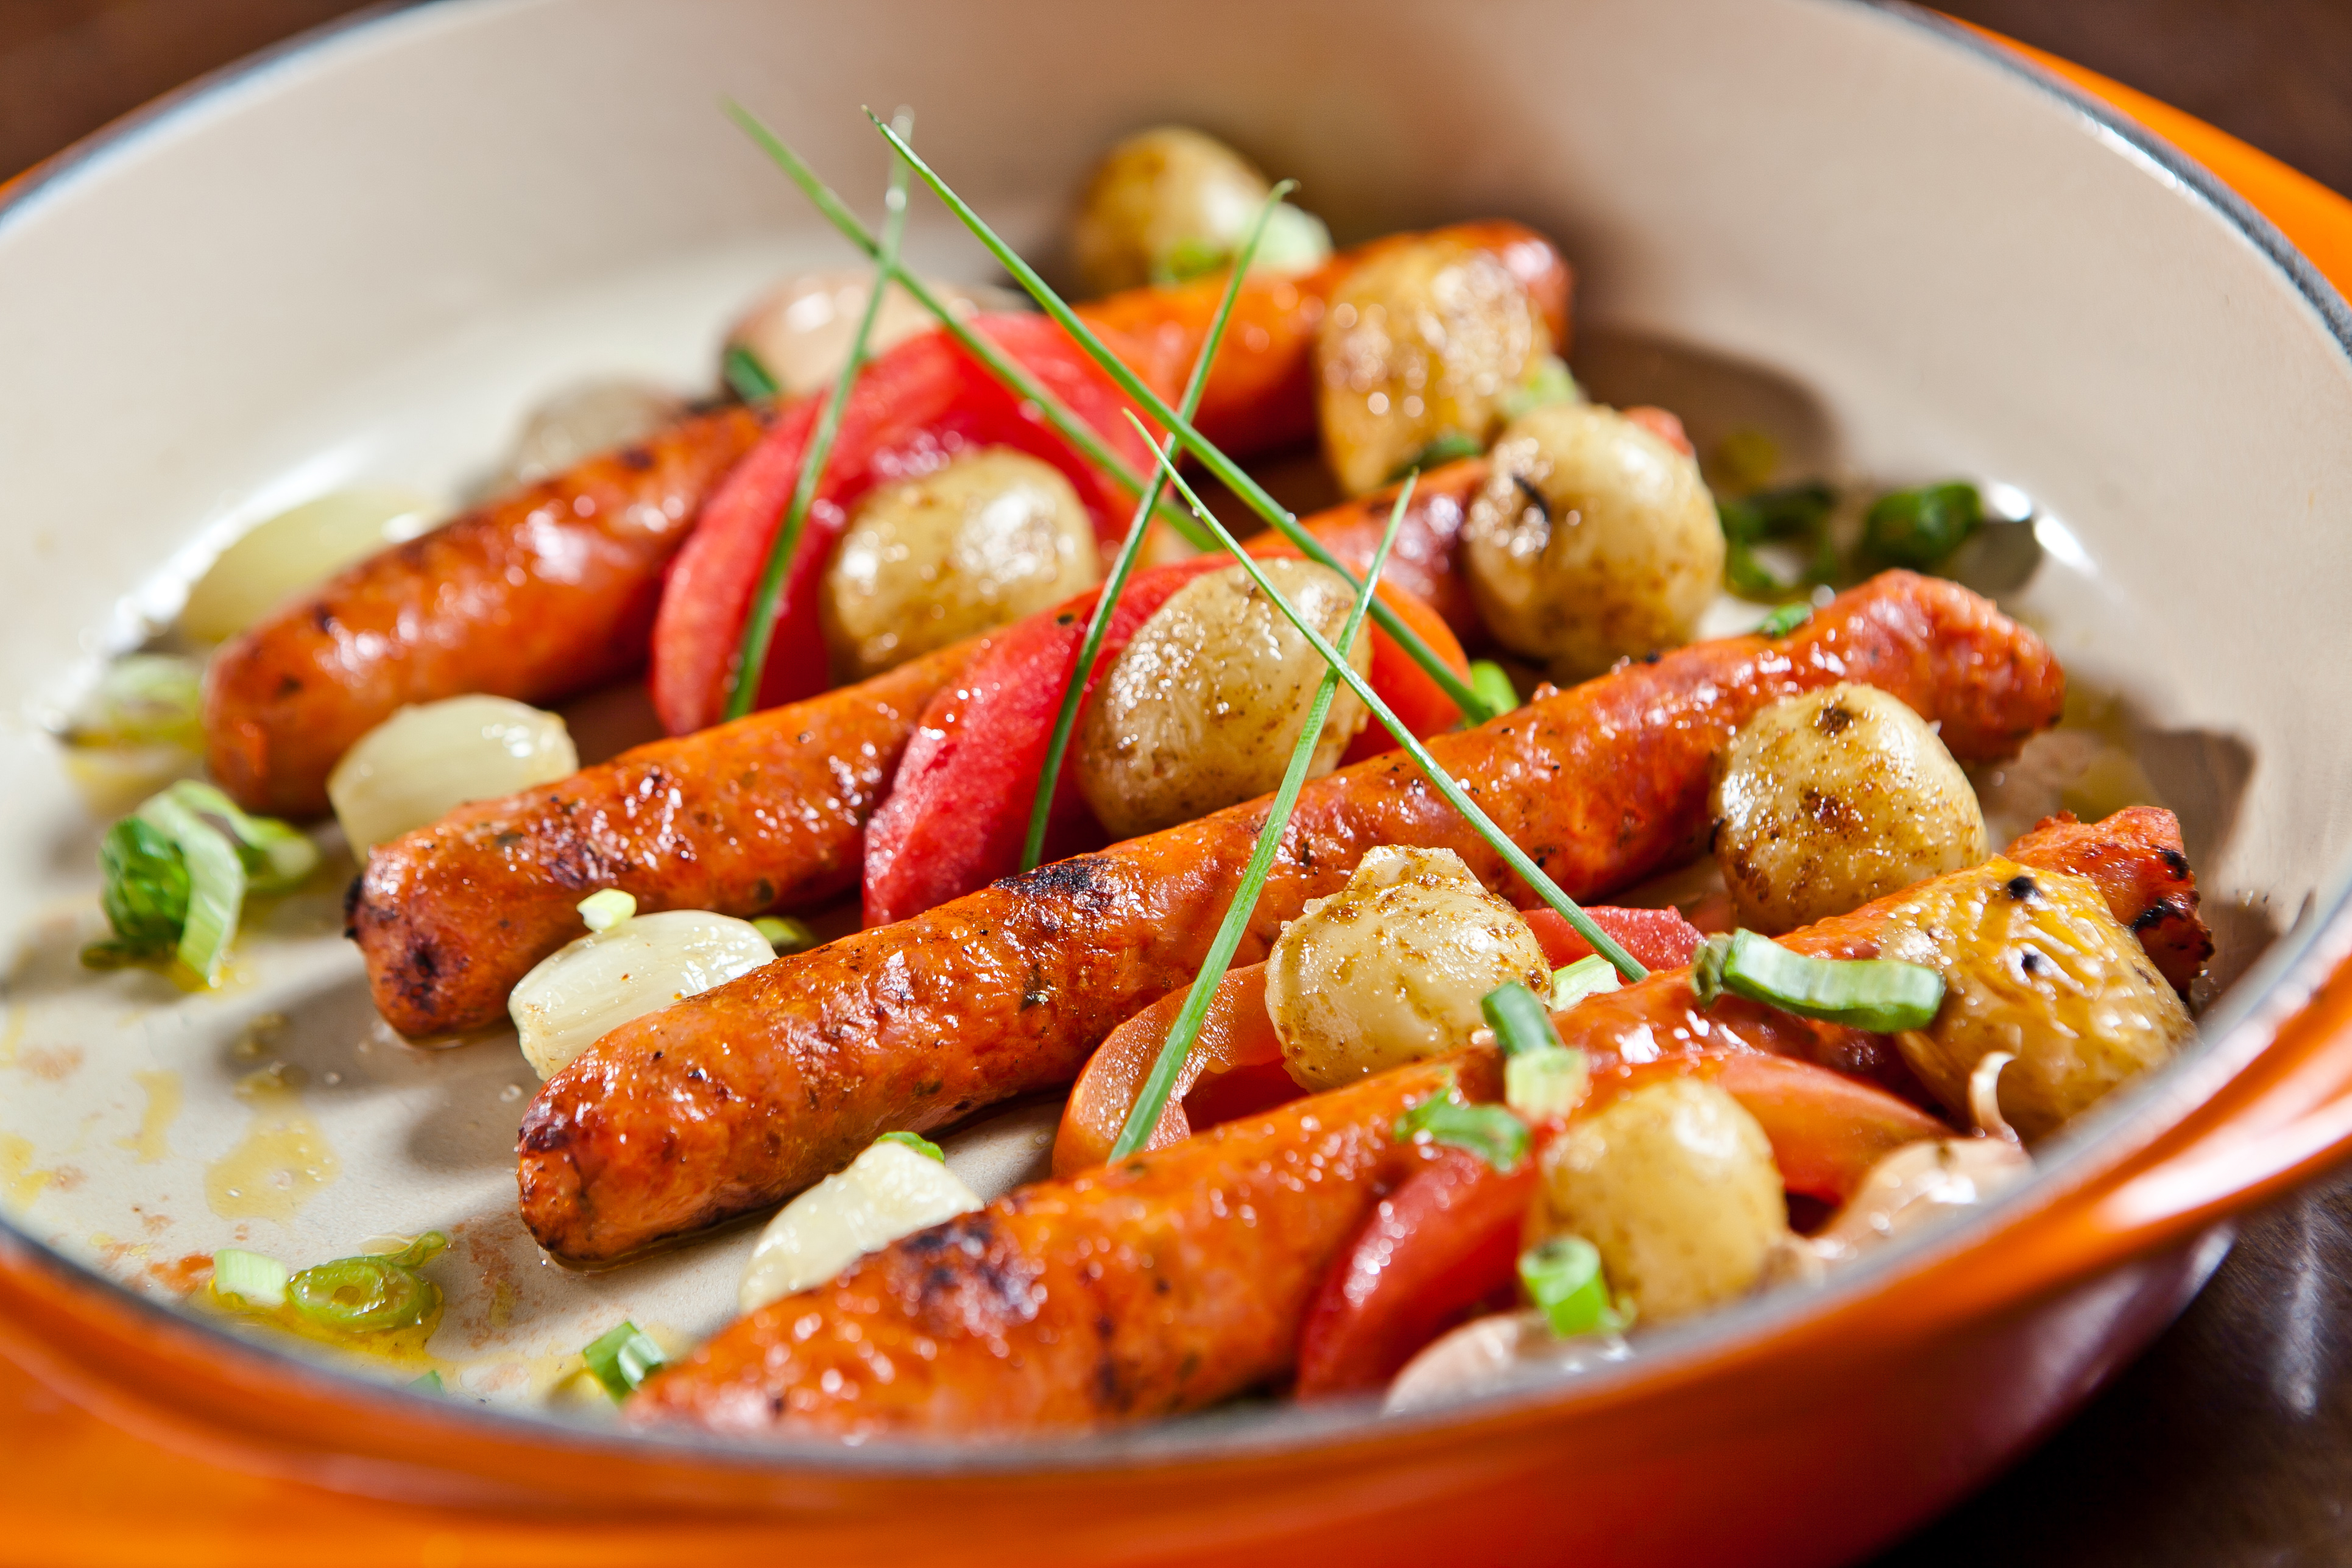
<point x="914" y="407"/>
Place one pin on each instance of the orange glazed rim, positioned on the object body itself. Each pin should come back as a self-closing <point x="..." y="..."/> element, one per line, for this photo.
<point x="2263" y="1102"/>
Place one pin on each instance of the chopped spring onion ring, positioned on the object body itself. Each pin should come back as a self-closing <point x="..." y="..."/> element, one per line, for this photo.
<point x="1144" y="1115"/>
<point x="1519" y="1021"/>
<point x="216" y="884"/>
<point x="250" y="1279"/>
<point x="606" y="908"/>
<point x="1493" y="684"/>
<point x="219" y="853"/>
<point x="745" y="375"/>
<point x="1794" y="514"/>
<point x="1588" y="977"/>
<point x="1921" y="527"/>
<point x="784" y="933"/>
<point x="1065" y="720"/>
<point x="1563" y="1279"/>
<point x="917" y="1143"/>
<point x="1513" y="856"/>
<point x="145" y="887"/>
<point x="1252" y="493"/>
<point x="622" y="1359"/>
<point x="143" y="699"/>
<point x="1547" y="1084"/>
<point x="277" y="857"/>
<point x="1880" y="995"/>
<point x="1785" y="619"/>
<point x="759" y="628"/>
<point x="429" y="1383"/>
<point x="1489" y="1132"/>
<point x="370" y="1294"/>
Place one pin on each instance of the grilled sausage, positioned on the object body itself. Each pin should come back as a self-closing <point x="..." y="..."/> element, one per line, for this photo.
<point x="768" y="812"/>
<point x="1133" y="1292"/>
<point x="732" y="1099"/>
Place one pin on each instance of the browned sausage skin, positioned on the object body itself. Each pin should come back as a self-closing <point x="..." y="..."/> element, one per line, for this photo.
<point x="735" y="1097"/>
<point x="542" y="595"/>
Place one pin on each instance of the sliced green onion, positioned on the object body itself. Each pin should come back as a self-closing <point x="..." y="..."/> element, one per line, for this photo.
<point x="1921" y="527"/>
<point x="745" y="375"/>
<point x="145" y="887"/>
<point x="1589" y="976"/>
<point x="606" y="908"/>
<point x="1489" y="1132"/>
<point x="917" y="1143"/>
<point x="364" y="1295"/>
<point x="622" y="1359"/>
<point x="216" y="884"/>
<point x="276" y="854"/>
<point x="1493" y="684"/>
<point x="1252" y="493"/>
<point x="759" y="631"/>
<point x="419" y="1252"/>
<point x="1445" y="446"/>
<point x="1600" y="941"/>
<point x="1795" y="514"/>
<point x="429" y="1383"/>
<point x="1550" y="383"/>
<point x="1065" y="719"/>
<point x="249" y="1278"/>
<point x="1880" y="995"/>
<point x="1785" y="619"/>
<point x="1547" y="1083"/>
<point x="1563" y="1279"/>
<point x="1519" y="1021"/>
<point x="1144" y="1115"/>
<point x="784" y="933"/>
<point x="143" y="699"/>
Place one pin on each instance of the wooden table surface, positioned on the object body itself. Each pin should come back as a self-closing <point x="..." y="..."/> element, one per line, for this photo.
<point x="2229" y="1444"/>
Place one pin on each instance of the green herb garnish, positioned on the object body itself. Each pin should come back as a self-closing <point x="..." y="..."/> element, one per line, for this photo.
<point x="917" y="1143"/>
<point x="1519" y="1021"/>
<point x="622" y="1359"/>
<point x="1785" y="619"/>
<point x="746" y="376"/>
<point x="143" y="699"/>
<point x="145" y="894"/>
<point x="784" y="933"/>
<point x="1489" y="1132"/>
<point x="1153" y="1098"/>
<point x="1065" y="719"/>
<point x="370" y="1294"/>
<point x="1573" y="982"/>
<point x="606" y="908"/>
<point x="1563" y="1279"/>
<point x="1445" y="446"/>
<point x="1493" y="684"/>
<point x="251" y="1279"/>
<point x="429" y="1383"/>
<point x="1545" y="1083"/>
<point x="1920" y="529"/>
<point x="1795" y="514"/>
<point x="177" y="872"/>
<point x="1880" y="995"/>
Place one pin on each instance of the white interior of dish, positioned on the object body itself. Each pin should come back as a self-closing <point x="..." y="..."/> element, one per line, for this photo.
<point x="365" y="262"/>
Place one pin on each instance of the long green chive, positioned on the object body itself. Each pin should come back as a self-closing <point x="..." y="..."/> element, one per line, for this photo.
<point x="1144" y="1115"/>
<point x="1066" y="721"/>
<point x="745" y="375"/>
<point x="1073" y="429"/>
<point x="1545" y="1084"/>
<point x="751" y="657"/>
<point x="1276" y="515"/>
<point x="1493" y="684"/>
<point x="1573" y="982"/>
<point x="1520" y="1022"/>
<point x="1489" y="1132"/>
<point x="622" y="1359"/>
<point x="1563" y="1279"/>
<point x="1600" y="941"/>
<point x="1880" y="995"/>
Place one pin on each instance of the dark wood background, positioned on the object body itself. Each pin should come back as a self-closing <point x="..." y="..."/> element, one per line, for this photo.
<point x="2229" y="1445"/>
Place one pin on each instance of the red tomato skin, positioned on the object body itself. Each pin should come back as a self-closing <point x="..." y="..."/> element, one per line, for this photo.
<point x="1657" y="939"/>
<point x="914" y="409"/>
<point x="1409" y="690"/>
<point x="1445" y="1240"/>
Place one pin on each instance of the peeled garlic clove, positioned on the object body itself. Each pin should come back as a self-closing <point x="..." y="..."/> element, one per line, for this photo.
<point x="298" y="549"/>
<point x="1493" y="1353"/>
<point x="888" y="1192"/>
<point x="420" y="763"/>
<point x="1919" y="1184"/>
<point x="582" y="992"/>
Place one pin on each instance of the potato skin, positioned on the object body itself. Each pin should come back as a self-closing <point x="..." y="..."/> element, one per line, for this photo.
<point x="1828" y="800"/>
<point x="990" y="537"/>
<point x="1203" y="705"/>
<point x="2035" y="963"/>
<point x="1425" y="339"/>
<point x="1674" y="1185"/>
<point x="1391" y="968"/>
<point x="1156" y="196"/>
<point x="1619" y="560"/>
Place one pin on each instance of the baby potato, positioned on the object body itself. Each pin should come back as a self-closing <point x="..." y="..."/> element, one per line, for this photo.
<point x="1164" y="204"/>
<point x="1426" y="340"/>
<point x="990" y="537"/>
<point x="1593" y="540"/>
<point x="1203" y="705"/>
<point x="1391" y="968"/>
<point x="1676" y="1186"/>
<point x="1825" y="801"/>
<point x="2035" y="965"/>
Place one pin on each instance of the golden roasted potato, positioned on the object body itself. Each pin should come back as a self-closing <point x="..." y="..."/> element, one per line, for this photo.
<point x="1825" y="801"/>
<point x="1164" y="204"/>
<point x="1391" y="968"/>
<point x="1425" y="340"/>
<point x="991" y="536"/>
<point x="1593" y="540"/>
<point x="1674" y="1185"/>
<point x="1203" y="705"/>
<point x="2035" y="965"/>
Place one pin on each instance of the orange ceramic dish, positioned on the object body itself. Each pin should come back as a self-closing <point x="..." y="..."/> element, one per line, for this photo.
<point x="1799" y="1428"/>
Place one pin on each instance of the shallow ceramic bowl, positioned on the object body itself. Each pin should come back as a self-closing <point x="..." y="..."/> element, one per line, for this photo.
<point x="363" y="259"/>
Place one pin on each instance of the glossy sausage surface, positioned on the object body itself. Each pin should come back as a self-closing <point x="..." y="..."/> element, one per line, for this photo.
<point x="731" y="1099"/>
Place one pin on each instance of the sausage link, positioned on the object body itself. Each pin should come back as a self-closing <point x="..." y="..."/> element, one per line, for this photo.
<point x="732" y="1099"/>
